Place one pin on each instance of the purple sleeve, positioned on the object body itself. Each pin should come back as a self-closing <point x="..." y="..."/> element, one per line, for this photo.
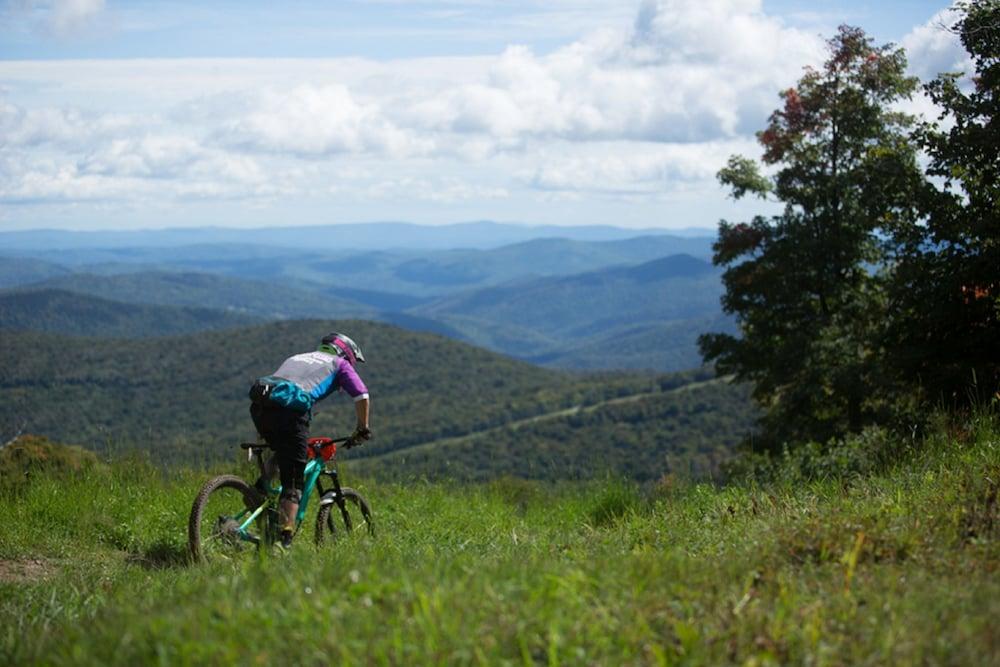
<point x="349" y="380"/>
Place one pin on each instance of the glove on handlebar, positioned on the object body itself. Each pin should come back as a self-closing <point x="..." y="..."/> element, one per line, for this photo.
<point x="358" y="437"/>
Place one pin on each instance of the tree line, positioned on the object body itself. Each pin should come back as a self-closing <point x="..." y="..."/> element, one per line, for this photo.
<point x="874" y="296"/>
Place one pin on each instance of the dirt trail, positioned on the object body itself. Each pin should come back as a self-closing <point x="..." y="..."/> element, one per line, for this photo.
<point x="555" y="414"/>
<point x="18" y="570"/>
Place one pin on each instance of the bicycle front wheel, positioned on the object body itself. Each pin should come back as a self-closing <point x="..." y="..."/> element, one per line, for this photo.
<point x="220" y="508"/>
<point x="331" y="521"/>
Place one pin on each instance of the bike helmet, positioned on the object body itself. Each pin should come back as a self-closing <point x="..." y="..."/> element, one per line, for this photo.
<point x="342" y="346"/>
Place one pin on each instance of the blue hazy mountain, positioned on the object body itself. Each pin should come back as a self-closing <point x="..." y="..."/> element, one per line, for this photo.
<point x="644" y="316"/>
<point x="76" y="314"/>
<point x="202" y="290"/>
<point x="559" y="302"/>
<point x="370" y="236"/>
<point x="16" y="271"/>
<point x="378" y="273"/>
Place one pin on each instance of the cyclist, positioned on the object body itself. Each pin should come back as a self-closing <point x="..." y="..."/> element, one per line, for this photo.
<point x="281" y="409"/>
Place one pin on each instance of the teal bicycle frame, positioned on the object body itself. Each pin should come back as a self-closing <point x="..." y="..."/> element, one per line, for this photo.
<point x="315" y="468"/>
<point x="312" y="473"/>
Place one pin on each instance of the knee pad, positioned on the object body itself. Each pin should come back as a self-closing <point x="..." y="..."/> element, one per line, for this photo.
<point x="294" y="495"/>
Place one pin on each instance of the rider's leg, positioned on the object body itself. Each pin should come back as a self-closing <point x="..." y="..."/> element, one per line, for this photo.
<point x="292" y="464"/>
<point x="264" y="420"/>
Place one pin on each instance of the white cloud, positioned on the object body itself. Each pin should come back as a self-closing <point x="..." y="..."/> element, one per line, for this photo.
<point x="685" y="72"/>
<point x="645" y="110"/>
<point x="932" y="48"/>
<point x="314" y="121"/>
<point x="650" y="169"/>
<point x="65" y="127"/>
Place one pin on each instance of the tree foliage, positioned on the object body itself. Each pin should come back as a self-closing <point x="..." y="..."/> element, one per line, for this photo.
<point x="804" y="285"/>
<point x="184" y="400"/>
<point x="944" y="320"/>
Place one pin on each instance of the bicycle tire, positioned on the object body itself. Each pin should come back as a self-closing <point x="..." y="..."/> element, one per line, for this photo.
<point x="329" y="515"/>
<point x="231" y="495"/>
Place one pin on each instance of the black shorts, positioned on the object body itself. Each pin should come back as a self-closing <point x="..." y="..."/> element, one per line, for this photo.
<point x="287" y="433"/>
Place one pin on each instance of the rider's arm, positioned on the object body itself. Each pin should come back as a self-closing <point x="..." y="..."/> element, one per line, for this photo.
<point x="355" y="387"/>
<point x="361" y="408"/>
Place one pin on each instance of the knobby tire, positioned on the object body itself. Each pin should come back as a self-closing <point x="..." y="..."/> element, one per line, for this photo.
<point x="251" y="499"/>
<point x="329" y="517"/>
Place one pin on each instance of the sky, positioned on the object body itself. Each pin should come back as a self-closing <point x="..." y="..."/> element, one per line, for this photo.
<point x="135" y="115"/>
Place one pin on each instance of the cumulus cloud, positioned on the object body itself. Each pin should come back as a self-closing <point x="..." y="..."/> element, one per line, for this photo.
<point x="646" y="169"/>
<point x="65" y="127"/>
<point x="684" y="72"/>
<point x="657" y="102"/>
<point x="315" y="121"/>
<point x="933" y="48"/>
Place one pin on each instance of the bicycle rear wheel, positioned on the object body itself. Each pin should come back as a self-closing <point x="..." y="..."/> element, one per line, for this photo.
<point x="219" y="509"/>
<point x="331" y="522"/>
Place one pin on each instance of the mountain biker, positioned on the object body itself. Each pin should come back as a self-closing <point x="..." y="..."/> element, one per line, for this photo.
<point x="281" y="409"/>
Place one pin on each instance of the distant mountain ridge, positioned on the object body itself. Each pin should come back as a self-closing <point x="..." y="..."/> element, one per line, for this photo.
<point x="64" y="312"/>
<point x="582" y="320"/>
<point x="649" y="314"/>
<point x="553" y="301"/>
<point x="374" y="235"/>
<point x="203" y="290"/>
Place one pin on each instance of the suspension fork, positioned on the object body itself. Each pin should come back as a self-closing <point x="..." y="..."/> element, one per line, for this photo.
<point x="338" y="496"/>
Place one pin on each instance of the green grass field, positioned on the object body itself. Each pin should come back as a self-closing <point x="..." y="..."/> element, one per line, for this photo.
<point x="897" y="568"/>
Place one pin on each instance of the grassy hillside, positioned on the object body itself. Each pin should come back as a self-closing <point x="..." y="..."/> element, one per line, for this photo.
<point x="60" y="311"/>
<point x="186" y="396"/>
<point x="893" y="569"/>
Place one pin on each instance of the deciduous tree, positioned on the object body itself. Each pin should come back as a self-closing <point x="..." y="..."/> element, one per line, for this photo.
<point x="944" y="324"/>
<point x="806" y="286"/>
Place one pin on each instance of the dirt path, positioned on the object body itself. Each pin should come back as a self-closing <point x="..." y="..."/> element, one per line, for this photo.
<point x="18" y="570"/>
<point x="547" y="416"/>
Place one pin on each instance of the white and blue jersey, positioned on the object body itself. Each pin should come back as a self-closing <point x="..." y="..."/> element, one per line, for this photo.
<point x="315" y="375"/>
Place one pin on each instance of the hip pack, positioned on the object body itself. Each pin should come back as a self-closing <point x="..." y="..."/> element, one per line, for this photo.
<point x="279" y="391"/>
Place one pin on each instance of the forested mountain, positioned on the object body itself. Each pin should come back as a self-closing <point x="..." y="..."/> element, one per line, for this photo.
<point x="668" y="345"/>
<point x="15" y="271"/>
<point x="61" y="311"/>
<point x="577" y="320"/>
<point x="258" y="298"/>
<point x="688" y="430"/>
<point x="367" y="236"/>
<point x="649" y="313"/>
<point x="403" y="273"/>
<point x="185" y="397"/>
<point x="644" y="316"/>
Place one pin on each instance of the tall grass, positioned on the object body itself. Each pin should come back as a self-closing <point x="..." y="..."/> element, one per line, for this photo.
<point x="897" y="567"/>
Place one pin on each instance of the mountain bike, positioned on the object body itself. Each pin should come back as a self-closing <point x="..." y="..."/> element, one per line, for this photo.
<point x="230" y="517"/>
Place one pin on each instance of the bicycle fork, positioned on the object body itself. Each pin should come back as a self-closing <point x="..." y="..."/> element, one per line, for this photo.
<point x="338" y="496"/>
